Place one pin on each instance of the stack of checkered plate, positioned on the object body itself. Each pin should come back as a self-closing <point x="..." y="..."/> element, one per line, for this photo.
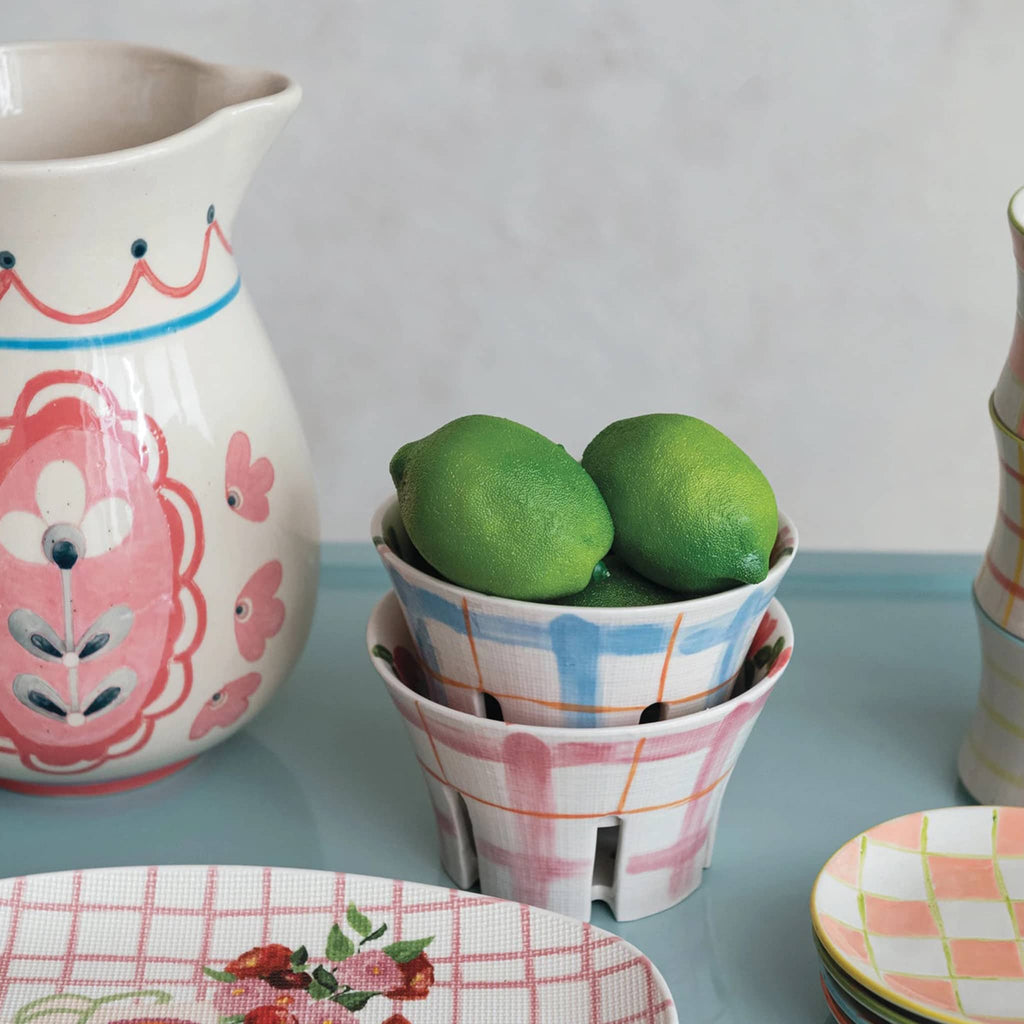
<point x="920" y="919"/>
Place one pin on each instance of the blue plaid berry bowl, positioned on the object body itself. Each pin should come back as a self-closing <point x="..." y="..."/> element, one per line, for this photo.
<point x="553" y="665"/>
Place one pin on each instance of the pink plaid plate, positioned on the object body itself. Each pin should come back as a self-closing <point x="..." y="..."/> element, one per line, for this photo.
<point x="251" y="945"/>
<point x="927" y="912"/>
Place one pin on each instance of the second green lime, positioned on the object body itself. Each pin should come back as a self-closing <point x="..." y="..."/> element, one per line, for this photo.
<point x="691" y="510"/>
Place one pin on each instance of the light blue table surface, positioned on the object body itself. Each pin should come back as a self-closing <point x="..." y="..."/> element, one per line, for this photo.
<point x="864" y="726"/>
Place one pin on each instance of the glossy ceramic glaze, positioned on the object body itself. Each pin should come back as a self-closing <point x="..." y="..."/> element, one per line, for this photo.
<point x="343" y="790"/>
<point x="1009" y="394"/>
<point x="843" y="1009"/>
<point x="552" y="665"/>
<point x="855" y="999"/>
<point x="196" y="945"/>
<point x="847" y="1010"/>
<point x="560" y="817"/>
<point x="927" y="912"/>
<point x="991" y="761"/>
<point x="158" y="523"/>
<point x="999" y="586"/>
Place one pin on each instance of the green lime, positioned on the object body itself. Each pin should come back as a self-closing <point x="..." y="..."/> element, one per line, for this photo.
<point x="691" y="510"/>
<point x="620" y="587"/>
<point x="498" y="508"/>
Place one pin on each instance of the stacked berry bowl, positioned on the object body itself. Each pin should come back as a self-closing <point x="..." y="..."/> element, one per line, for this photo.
<point x="575" y="753"/>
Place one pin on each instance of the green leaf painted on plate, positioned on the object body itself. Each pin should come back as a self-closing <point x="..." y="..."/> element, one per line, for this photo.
<point x="324" y="977"/>
<point x="317" y="991"/>
<point x="375" y="934"/>
<point x="354" y="1001"/>
<point x="339" y="945"/>
<point x="403" y="952"/>
<point x="219" y="975"/>
<point x="359" y="922"/>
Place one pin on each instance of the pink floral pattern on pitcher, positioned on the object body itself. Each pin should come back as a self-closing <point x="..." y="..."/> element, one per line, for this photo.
<point x="98" y="552"/>
<point x="226" y="706"/>
<point x="259" y="615"/>
<point x="246" y="483"/>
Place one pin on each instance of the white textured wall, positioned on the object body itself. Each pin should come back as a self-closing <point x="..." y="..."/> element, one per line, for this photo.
<point x="787" y="218"/>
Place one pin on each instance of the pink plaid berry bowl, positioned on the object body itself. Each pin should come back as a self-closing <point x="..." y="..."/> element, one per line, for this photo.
<point x="559" y="817"/>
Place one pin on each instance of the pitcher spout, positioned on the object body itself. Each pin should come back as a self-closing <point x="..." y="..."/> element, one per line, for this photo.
<point x="250" y="112"/>
<point x="157" y="146"/>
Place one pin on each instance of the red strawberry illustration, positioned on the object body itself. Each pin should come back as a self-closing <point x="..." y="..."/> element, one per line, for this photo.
<point x="261" y="961"/>
<point x="419" y="976"/>
<point x="270" y="1015"/>
<point x="288" y="979"/>
<point x="407" y="668"/>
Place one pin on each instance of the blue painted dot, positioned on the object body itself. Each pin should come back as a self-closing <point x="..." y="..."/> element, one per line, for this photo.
<point x="7" y="259"/>
<point x="210" y="214"/>
<point x="139" y="248"/>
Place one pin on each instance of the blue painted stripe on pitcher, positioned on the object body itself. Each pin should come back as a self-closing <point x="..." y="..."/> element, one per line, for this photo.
<point x="178" y="323"/>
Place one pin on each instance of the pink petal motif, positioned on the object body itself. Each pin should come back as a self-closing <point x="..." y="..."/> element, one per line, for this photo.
<point x="245" y="485"/>
<point x="372" y="971"/>
<point x="258" y="614"/>
<point x="242" y="997"/>
<point x="764" y="631"/>
<point x="226" y="706"/>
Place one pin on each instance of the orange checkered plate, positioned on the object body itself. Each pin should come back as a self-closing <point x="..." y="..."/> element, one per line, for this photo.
<point x="927" y="912"/>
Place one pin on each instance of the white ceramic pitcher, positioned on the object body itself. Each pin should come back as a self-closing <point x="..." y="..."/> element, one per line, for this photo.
<point x="158" y="523"/>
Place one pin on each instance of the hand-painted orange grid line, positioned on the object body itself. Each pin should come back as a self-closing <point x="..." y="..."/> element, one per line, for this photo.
<point x="1014" y="590"/>
<point x="933" y="906"/>
<point x="597" y="709"/>
<point x="668" y="656"/>
<point x="472" y="644"/>
<point x="433" y="745"/>
<point x="632" y="773"/>
<point x="557" y="816"/>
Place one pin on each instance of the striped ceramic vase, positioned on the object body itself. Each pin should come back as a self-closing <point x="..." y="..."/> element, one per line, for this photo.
<point x="992" y="756"/>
